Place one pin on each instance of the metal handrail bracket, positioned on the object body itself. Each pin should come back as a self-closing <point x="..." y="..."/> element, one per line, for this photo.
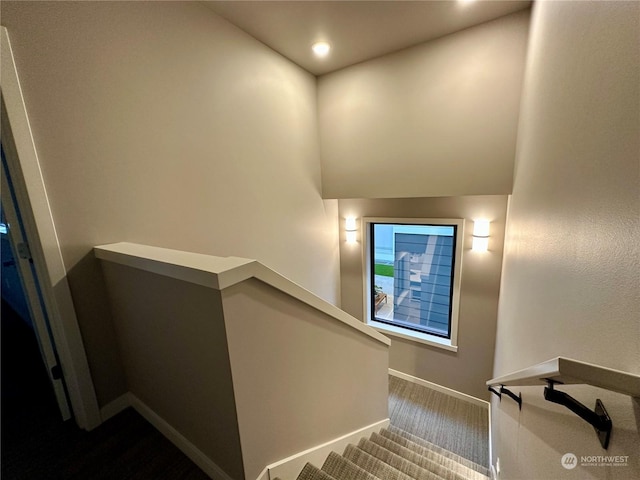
<point x="599" y="418"/>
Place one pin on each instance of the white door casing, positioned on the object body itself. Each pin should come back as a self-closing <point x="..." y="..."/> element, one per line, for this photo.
<point x="32" y="201"/>
<point x="22" y="257"/>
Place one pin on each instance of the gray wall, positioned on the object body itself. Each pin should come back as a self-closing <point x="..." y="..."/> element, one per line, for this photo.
<point x="174" y="347"/>
<point x="468" y="369"/>
<point x="570" y="282"/>
<point x="300" y="377"/>
<point x="162" y="124"/>
<point x="249" y="375"/>
<point x="438" y="119"/>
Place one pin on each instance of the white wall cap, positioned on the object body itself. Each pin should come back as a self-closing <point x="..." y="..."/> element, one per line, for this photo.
<point x="220" y="273"/>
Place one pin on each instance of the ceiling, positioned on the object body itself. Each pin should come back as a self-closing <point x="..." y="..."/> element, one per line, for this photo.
<point x="357" y="30"/>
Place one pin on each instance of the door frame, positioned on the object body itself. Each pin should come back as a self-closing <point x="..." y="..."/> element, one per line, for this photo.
<point x="30" y="286"/>
<point x="33" y="204"/>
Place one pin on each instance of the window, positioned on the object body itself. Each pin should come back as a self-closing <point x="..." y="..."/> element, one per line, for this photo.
<point x="412" y="278"/>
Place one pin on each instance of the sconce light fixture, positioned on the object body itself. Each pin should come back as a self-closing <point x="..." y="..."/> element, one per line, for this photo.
<point x="351" y="229"/>
<point x="480" y="235"/>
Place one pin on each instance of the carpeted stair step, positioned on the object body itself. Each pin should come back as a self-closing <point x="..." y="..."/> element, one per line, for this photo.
<point x="394" y="454"/>
<point x="406" y="466"/>
<point x="309" y="472"/>
<point x="429" y="460"/>
<point x="421" y="446"/>
<point x="373" y="465"/>
<point x="342" y="469"/>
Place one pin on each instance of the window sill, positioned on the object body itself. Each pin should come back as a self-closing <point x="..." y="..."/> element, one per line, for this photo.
<point x="418" y="337"/>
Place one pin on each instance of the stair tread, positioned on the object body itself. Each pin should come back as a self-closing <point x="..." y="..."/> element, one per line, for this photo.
<point x="373" y="465"/>
<point x="388" y="467"/>
<point x="393" y="454"/>
<point x="407" y="465"/>
<point x="311" y="472"/>
<point x="412" y="442"/>
<point x="437" y="464"/>
<point x="342" y="469"/>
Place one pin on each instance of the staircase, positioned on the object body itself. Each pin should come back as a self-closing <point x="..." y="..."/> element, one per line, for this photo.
<point x="394" y="454"/>
<point x="256" y="311"/>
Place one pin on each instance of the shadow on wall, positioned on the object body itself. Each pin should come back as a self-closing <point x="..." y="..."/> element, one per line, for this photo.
<point x="542" y="426"/>
<point x="95" y="320"/>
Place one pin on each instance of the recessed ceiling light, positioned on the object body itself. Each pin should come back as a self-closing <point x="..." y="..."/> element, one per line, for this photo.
<point x="321" y="49"/>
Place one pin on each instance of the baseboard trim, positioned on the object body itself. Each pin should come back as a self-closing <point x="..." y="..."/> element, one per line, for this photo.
<point x="114" y="407"/>
<point x="290" y="467"/>
<point x="446" y="390"/>
<point x="175" y="437"/>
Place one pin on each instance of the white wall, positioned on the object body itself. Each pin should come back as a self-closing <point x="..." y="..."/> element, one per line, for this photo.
<point x="570" y="282"/>
<point x="437" y="119"/>
<point x="161" y="123"/>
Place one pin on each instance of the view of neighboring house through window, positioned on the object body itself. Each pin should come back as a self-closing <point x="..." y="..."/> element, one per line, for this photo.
<point x="412" y="276"/>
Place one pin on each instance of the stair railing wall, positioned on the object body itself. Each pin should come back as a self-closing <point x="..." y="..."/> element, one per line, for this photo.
<point x="245" y="365"/>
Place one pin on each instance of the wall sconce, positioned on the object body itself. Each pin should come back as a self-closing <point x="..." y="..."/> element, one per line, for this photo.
<point x="480" y="235"/>
<point x="351" y="229"/>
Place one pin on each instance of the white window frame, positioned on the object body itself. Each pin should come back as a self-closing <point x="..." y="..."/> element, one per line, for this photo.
<point x="451" y="343"/>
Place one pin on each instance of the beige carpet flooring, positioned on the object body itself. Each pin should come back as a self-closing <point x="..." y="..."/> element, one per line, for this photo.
<point x="456" y="425"/>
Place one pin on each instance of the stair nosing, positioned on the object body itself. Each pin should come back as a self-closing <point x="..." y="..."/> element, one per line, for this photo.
<point x="392" y="472"/>
<point x="366" y="445"/>
<point x="447" y="471"/>
<point x="339" y="458"/>
<point x="427" y="445"/>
